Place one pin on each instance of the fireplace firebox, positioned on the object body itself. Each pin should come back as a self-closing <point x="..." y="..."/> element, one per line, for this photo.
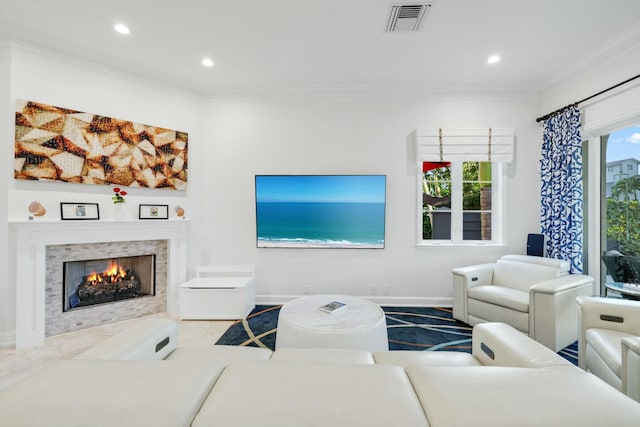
<point x="99" y="281"/>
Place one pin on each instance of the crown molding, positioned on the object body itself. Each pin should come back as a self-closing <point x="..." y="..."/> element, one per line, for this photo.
<point x="615" y="47"/>
<point x="364" y="92"/>
<point x="326" y="92"/>
<point x="100" y="67"/>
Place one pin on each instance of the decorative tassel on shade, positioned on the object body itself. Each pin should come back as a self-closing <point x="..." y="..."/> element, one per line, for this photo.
<point x="36" y="209"/>
<point x="180" y="211"/>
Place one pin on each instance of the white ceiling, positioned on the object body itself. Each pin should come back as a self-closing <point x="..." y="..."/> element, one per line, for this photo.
<point x="277" y="46"/>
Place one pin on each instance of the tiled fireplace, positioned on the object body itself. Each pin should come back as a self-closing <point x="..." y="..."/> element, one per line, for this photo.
<point x="90" y="284"/>
<point x="43" y="248"/>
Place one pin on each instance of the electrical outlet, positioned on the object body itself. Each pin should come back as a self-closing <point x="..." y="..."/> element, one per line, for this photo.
<point x="374" y="291"/>
<point x="386" y="290"/>
<point x="305" y="289"/>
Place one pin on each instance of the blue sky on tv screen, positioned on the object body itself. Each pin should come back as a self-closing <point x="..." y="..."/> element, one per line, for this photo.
<point x="321" y="188"/>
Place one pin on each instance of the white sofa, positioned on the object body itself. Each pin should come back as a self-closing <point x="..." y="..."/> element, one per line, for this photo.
<point x="508" y="380"/>
<point x="609" y="343"/>
<point x="533" y="294"/>
<point x="151" y="338"/>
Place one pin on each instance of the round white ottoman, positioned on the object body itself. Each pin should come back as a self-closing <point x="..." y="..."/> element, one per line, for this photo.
<point x="360" y="324"/>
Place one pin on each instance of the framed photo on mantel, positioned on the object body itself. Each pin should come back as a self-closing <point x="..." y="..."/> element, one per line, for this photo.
<point x="153" y="212"/>
<point x="75" y="211"/>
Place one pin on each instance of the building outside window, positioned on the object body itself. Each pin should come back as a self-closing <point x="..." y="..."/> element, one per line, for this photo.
<point x="615" y="168"/>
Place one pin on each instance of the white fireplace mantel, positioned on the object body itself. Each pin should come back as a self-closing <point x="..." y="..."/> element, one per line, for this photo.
<point x="31" y="239"/>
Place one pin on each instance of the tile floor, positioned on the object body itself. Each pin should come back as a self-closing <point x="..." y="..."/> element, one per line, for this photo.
<point x="18" y="363"/>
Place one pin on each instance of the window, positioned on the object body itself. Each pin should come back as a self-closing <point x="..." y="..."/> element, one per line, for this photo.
<point x="620" y="203"/>
<point x="458" y="202"/>
<point x="436" y="200"/>
<point x="461" y="185"/>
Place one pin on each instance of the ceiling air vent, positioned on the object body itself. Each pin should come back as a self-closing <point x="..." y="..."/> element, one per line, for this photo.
<point x="407" y="17"/>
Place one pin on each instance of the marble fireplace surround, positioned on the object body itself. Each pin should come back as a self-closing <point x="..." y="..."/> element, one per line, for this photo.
<point x="58" y="321"/>
<point x="31" y="239"/>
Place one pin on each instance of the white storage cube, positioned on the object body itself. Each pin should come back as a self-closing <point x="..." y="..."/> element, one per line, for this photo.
<point x="217" y="293"/>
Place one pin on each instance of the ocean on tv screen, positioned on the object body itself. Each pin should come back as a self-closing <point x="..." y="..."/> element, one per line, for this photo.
<point x="333" y="225"/>
<point x="328" y="211"/>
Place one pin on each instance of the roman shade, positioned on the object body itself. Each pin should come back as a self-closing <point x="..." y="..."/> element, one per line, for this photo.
<point x="458" y="145"/>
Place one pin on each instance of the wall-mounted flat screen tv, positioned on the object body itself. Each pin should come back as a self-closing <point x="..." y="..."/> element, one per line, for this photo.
<point x="320" y="211"/>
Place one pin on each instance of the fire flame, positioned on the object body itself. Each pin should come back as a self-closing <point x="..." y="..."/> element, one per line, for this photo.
<point x="112" y="274"/>
<point x="94" y="278"/>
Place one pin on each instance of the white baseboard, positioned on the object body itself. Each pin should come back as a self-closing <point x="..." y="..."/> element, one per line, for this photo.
<point x="7" y="339"/>
<point x="385" y="300"/>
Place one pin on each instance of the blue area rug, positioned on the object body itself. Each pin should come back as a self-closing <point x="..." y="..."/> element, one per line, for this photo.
<point x="408" y="328"/>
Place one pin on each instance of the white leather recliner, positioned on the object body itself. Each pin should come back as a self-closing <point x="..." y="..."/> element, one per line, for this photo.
<point x="533" y="294"/>
<point x="609" y="343"/>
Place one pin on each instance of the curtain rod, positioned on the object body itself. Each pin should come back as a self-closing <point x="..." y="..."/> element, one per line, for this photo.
<point x="575" y="104"/>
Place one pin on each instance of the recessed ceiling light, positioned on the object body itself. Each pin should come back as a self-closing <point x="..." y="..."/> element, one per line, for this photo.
<point x="121" y="28"/>
<point x="493" y="59"/>
<point x="207" y="62"/>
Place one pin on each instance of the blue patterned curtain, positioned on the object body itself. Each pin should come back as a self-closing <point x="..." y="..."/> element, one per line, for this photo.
<point x="561" y="194"/>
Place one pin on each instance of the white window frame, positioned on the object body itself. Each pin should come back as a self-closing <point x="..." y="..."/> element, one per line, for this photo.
<point x="498" y="214"/>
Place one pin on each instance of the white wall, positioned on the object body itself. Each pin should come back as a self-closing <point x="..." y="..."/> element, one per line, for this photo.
<point x="593" y="77"/>
<point x="230" y="141"/>
<point x="61" y="81"/>
<point x="6" y="291"/>
<point x="351" y="136"/>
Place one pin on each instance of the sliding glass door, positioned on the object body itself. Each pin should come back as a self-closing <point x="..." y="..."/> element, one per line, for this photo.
<point x="620" y="206"/>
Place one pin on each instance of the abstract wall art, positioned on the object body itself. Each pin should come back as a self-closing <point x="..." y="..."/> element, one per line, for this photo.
<point x="60" y="144"/>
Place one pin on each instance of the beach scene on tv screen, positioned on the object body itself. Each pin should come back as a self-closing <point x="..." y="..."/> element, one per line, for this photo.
<point x="320" y="211"/>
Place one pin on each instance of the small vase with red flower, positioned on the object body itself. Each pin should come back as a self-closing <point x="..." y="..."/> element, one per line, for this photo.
<point x="119" y="207"/>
